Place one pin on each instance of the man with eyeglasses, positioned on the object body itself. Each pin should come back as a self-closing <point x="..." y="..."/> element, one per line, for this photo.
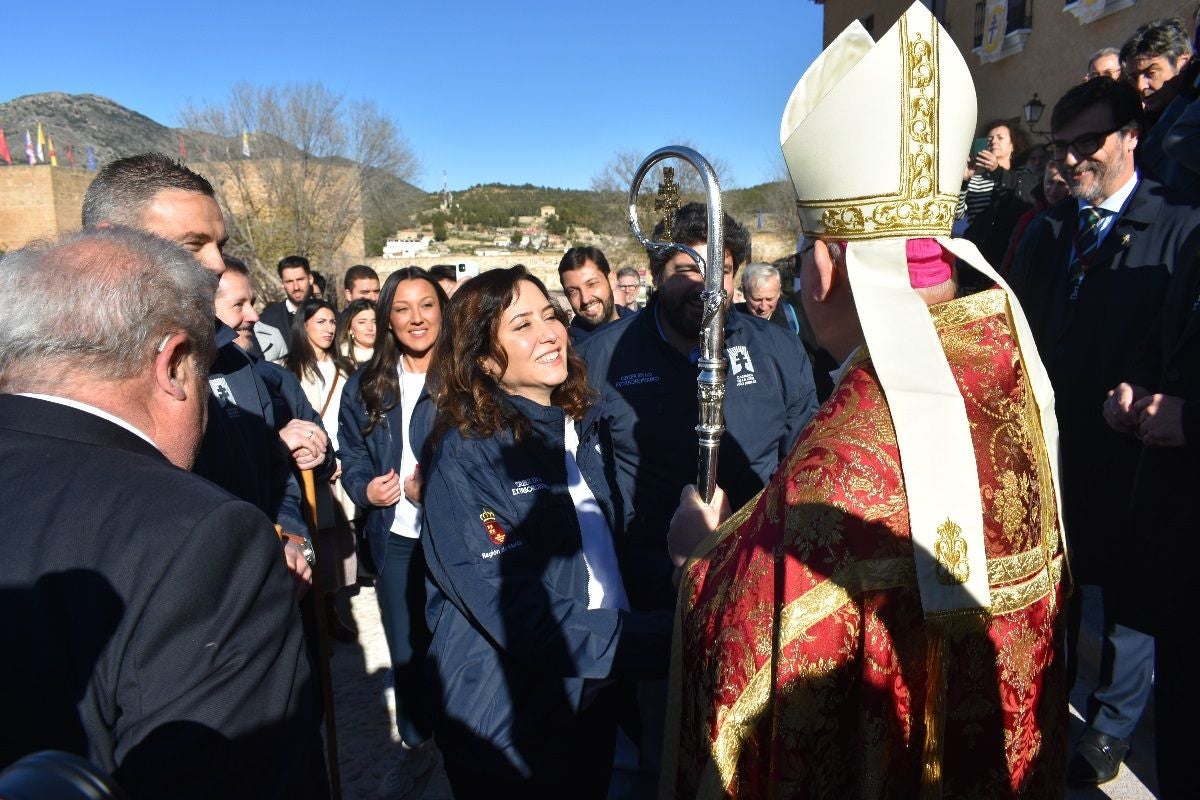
<point x="1092" y="276"/>
<point x="629" y="284"/>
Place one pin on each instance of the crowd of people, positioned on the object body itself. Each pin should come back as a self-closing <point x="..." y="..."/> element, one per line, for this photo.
<point x="931" y="443"/>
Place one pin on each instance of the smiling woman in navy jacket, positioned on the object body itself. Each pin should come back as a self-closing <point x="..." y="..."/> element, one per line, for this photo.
<point x="385" y="415"/>
<point x="531" y="625"/>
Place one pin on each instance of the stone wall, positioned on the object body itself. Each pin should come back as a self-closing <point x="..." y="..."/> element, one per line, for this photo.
<point x="39" y="201"/>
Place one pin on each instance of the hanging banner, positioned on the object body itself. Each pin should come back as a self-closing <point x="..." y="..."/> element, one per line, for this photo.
<point x="1089" y="10"/>
<point x="995" y="25"/>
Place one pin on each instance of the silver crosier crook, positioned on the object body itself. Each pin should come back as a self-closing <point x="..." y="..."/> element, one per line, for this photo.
<point x="711" y="380"/>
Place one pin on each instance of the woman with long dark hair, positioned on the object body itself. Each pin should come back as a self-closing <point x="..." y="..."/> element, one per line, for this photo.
<point x="997" y="192"/>
<point x="356" y="331"/>
<point x="322" y="372"/>
<point x="385" y="417"/>
<point x="529" y="616"/>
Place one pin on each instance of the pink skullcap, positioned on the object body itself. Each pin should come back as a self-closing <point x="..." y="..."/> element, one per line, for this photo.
<point x="928" y="263"/>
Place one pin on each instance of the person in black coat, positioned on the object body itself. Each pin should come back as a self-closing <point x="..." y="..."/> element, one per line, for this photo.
<point x="1160" y="407"/>
<point x="1092" y="295"/>
<point x="148" y="620"/>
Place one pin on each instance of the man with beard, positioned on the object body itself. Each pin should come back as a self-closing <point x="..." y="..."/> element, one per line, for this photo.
<point x="644" y="368"/>
<point x="1092" y="275"/>
<point x="583" y="273"/>
<point x="296" y="277"/>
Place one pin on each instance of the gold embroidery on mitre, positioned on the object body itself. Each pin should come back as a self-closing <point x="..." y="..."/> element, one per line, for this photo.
<point x="950" y="550"/>
<point x="917" y="209"/>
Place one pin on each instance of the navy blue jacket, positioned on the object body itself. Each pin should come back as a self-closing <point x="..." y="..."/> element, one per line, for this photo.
<point x="367" y="456"/>
<point x="578" y="330"/>
<point x="648" y="396"/>
<point x="513" y="639"/>
<point x="241" y="450"/>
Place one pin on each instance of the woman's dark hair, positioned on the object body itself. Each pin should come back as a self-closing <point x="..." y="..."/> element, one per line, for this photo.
<point x="1016" y="135"/>
<point x="470" y="399"/>
<point x="342" y="341"/>
<point x="301" y="359"/>
<point x="380" y="385"/>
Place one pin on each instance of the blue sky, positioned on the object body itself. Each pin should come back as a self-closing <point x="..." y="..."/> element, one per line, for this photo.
<point x="537" y="91"/>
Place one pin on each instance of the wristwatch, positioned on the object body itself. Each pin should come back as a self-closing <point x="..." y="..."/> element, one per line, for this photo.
<point x="306" y="548"/>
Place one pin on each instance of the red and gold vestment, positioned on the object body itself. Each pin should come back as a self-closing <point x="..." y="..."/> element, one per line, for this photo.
<point x="804" y="666"/>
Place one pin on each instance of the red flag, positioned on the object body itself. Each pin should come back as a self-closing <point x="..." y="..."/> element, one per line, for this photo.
<point x="4" y="149"/>
<point x="70" y="154"/>
<point x="182" y="149"/>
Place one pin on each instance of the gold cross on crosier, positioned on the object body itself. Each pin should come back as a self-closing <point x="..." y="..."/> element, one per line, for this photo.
<point x="667" y="202"/>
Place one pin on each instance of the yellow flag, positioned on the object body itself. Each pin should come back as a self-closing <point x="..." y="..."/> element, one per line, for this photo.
<point x="41" y="144"/>
<point x="53" y="157"/>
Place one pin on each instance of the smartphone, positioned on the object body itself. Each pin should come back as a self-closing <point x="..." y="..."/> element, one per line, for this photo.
<point x="978" y="146"/>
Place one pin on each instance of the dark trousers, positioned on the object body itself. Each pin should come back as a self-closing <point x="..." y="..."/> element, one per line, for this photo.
<point x="1126" y="670"/>
<point x="400" y="590"/>
<point x="1176" y="704"/>
<point x="591" y="760"/>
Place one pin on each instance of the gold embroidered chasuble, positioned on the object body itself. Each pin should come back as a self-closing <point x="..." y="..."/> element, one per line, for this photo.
<point x="803" y="664"/>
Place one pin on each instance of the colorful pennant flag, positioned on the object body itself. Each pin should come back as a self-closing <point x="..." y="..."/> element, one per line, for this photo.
<point x="245" y="143"/>
<point x="7" y="156"/>
<point x="53" y="158"/>
<point x="29" y="148"/>
<point x="91" y="159"/>
<point x="41" y="144"/>
<point x="182" y="149"/>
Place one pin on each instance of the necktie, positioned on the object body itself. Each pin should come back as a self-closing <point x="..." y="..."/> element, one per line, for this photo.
<point x="1085" y="245"/>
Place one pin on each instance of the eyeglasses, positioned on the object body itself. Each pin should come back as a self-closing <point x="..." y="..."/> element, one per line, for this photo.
<point x="627" y="287"/>
<point x="1083" y="146"/>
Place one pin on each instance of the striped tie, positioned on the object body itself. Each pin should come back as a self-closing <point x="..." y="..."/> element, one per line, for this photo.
<point x="1085" y="245"/>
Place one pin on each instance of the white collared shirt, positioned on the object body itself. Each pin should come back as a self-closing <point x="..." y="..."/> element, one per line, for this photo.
<point x="90" y="409"/>
<point x="1114" y="204"/>
<point x="838" y="373"/>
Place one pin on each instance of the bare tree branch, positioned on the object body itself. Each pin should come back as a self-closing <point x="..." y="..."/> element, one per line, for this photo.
<point x="318" y="164"/>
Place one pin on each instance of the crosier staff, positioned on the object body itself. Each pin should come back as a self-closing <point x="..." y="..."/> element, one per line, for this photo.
<point x="711" y="380"/>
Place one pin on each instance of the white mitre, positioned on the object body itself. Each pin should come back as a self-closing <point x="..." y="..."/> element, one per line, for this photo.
<point x="875" y="136"/>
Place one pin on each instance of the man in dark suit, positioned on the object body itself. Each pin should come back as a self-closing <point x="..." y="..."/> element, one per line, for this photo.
<point x="1161" y="408"/>
<point x="1092" y="275"/>
<point x="241" y="451"/>
<point x="148" y="623"/>
<point x="297" y="278"/>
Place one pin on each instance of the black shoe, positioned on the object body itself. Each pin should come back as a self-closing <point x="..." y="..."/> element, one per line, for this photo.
<point x="1097" y="759"/>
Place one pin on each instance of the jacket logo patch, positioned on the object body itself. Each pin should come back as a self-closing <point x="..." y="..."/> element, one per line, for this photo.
<point x="634" y="378"/>
<point x="220" y="389"/>
<point x="740" y="364"/>
<point x="528" y="486"/>
<point x="494" y="531"/>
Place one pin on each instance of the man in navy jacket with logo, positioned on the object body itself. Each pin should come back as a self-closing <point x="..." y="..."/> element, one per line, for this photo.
<point x="644" y="368"/>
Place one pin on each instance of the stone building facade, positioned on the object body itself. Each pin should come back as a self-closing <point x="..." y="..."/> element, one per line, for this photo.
<point x="1045" y="51"/>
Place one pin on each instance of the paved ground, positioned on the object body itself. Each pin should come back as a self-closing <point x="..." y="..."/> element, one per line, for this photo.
<point x="366" y="731"/>
<point x="366" y="728"/>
